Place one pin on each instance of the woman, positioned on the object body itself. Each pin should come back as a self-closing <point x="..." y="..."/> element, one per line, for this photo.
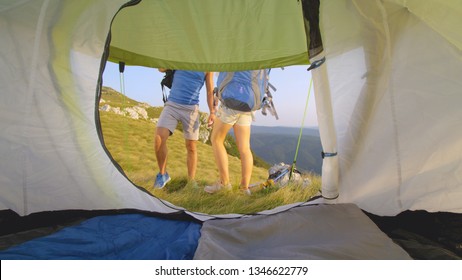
<point x="239" y="117"/>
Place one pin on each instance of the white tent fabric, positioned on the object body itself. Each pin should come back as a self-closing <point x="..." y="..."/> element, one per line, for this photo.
<point x="51" y="156"/>
<point x="330" y="170"/>
<point x="392" y="70"/>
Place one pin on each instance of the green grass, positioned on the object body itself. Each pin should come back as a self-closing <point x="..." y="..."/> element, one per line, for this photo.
<point x="131" y="144"/>
<point x="179" y="193"/>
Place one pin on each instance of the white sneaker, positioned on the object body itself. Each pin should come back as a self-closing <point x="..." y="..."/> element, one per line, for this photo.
<point x="192" y="184"/>
<point x="246" y="191"/>
<point x="217" y="187"/>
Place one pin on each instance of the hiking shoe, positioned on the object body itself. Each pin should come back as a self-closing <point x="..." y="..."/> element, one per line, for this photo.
<point x="161" y="180"/>
<point x="246" y="191"/>
<point x="217" y="187"/>
<point x="192" y="184"/>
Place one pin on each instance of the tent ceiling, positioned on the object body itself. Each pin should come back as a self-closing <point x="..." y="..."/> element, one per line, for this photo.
<point x="227" y="35"/>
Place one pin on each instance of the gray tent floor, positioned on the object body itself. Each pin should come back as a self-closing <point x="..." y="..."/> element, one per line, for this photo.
<point x="317" y="232"/>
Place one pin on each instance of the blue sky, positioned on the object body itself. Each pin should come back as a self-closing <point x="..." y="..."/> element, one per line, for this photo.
<point x="292" y="83"/>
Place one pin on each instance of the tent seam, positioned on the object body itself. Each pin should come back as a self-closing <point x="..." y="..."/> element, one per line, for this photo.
<point x="393" y="108"/>
<point x="30" y="90"/>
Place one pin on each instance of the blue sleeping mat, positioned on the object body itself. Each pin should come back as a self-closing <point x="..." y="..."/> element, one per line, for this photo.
<point x="126" y="236"/>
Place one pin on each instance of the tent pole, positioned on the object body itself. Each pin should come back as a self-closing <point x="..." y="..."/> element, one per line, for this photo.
<point x="124" y="101"/>
<point x="330" y="166"/>
<point x="121" y="71"/>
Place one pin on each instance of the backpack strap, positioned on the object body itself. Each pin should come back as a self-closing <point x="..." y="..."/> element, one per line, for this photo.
<point x="167" y="81"/>
<point x="164" y="95"/>
<point x="229" y="76"/>
<point x="267" y="103"/>
<point x="258" y="75"/>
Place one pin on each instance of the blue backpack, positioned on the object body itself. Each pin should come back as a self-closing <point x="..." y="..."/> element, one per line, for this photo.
<point x="243" y="91"/>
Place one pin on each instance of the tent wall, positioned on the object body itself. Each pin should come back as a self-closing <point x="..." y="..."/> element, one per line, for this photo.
<point x="394" y="68"/>
<point x="51" y="156"/>
<point x="51" y="54"/>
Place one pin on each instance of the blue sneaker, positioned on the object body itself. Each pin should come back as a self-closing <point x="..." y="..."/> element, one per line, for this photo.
<point x="161" y="180"/>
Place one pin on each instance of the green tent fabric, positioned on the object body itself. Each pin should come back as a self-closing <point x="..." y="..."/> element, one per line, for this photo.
<point x="219" y="35"/>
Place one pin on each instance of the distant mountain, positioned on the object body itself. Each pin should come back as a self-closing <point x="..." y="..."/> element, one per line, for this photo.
<point x="278" y="144"/>
<point x="314" y="131"/>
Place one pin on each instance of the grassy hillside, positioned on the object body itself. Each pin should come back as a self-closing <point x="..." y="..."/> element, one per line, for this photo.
<point x="116" y="99"/>
<point x="131" y="144"/>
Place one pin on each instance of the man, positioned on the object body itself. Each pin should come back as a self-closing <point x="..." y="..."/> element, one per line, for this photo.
<point x="182" y="106"/>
